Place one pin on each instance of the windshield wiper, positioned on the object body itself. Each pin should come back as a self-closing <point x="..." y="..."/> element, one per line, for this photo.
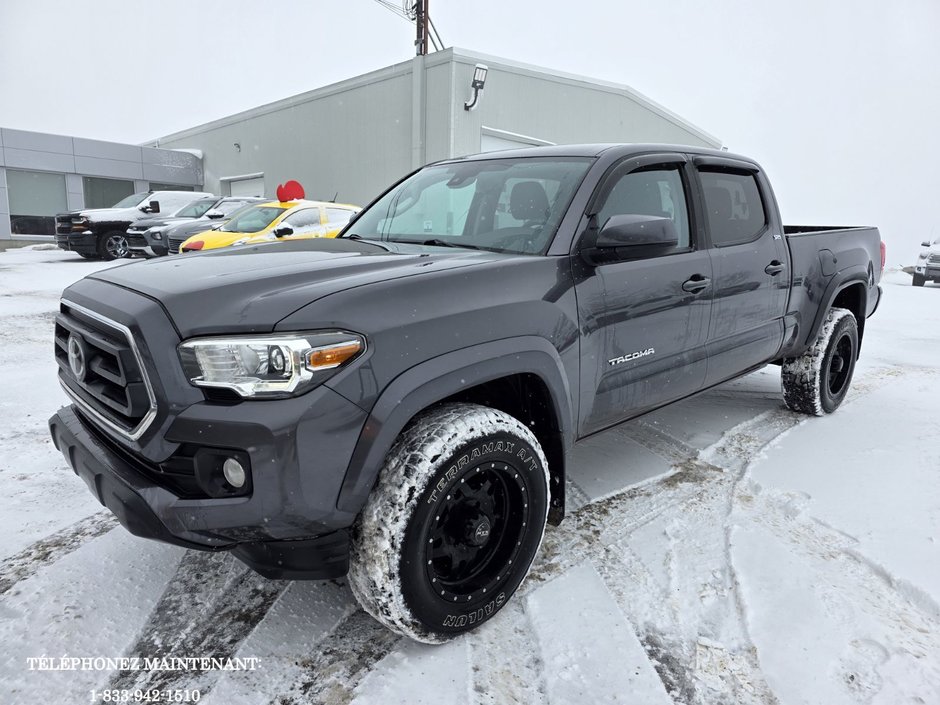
<point x="444" y="243"/>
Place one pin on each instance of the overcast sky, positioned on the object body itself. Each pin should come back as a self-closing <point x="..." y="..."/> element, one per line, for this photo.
<point x="838" y="99"/>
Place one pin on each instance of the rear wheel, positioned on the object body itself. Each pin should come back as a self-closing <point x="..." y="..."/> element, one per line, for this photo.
<point x="817" y="381"/>
<point x="112" y="245"/>
<point x="453" y="525"/>
<point x="919" y="280"/>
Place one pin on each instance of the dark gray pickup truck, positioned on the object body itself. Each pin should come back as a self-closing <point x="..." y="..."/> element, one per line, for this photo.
<point x="397" y="403"/>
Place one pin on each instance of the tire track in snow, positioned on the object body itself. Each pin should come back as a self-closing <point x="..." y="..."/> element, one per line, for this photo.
<point x="46" y="551"/>
<point x="602" y="530"/>
<point x="213" y="603"/>
<point x="342" y="659"/>
<point x="503" y="665"/>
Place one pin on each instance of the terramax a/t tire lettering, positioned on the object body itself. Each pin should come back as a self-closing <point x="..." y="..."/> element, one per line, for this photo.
<point x="451" y="529"/>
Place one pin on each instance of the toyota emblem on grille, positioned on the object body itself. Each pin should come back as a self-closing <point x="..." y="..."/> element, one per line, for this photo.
<point x="77" y="357"/>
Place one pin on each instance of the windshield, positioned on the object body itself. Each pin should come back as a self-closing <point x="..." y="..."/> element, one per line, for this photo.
<point x="195" y="208"/>
<point x="132" y="200"/>
<point x="252" y="219"/>
<point x="506" y="205"/>
<point x="227" y="207"/>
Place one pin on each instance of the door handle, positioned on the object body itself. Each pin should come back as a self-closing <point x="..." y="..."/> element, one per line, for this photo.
<point x="775" y="267"/>
<point x="696" y="283"/>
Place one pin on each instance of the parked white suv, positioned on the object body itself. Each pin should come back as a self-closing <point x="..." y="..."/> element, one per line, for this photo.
<point x="928" y="263"/>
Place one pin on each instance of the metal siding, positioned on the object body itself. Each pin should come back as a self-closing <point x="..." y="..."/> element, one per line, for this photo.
<point x="39" y="161"/>
<point x="558" y="110"/>
<point x="74" y="191"/>
<point x="438" y="105"/>
<point x="111" y="168"/>
<point x="352" y="143"/>
<point x="36" y="141"/>
<point x="106" y="150"/>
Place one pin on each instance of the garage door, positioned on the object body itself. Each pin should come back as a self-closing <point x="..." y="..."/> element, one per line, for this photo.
<point x="248" y="187"/>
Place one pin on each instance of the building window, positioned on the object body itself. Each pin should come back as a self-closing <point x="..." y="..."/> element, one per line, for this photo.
<point x="154" y="186"/>
<point x="104" y="193"/>
<point x="35" y="199"/>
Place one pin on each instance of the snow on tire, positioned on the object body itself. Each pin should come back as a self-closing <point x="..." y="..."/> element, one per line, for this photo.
<point x="451" y="529"/>
<point x="817" y="381"/>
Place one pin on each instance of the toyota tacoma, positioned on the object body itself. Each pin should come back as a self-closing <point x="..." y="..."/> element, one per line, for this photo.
<point x="397" y="404"/>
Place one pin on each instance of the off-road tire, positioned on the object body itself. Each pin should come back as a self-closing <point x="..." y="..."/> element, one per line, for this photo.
<point x="450" y="530"/>
<point x="817" y="381"/>
<point x="919" y="280"/>
<point x="108" y="248"/>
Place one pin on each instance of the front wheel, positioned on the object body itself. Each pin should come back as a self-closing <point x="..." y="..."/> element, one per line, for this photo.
<point x="112" y="245"/>
<point x="817" y="381"/>
<point x="451" y="529"/>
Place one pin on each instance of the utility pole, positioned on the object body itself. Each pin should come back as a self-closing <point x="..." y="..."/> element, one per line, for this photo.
<point x="421" y="23"/>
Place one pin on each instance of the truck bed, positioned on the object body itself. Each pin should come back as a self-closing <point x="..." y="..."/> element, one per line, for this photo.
<point x="817" y="254"/>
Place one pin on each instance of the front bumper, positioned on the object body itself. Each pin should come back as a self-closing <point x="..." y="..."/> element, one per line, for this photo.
<point x="140" y="244"/>
<point x="288" y="527"/>
<point x="85" y="243"/>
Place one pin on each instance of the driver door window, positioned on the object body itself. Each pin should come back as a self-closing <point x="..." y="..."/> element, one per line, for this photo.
<point x="656" y="191"/>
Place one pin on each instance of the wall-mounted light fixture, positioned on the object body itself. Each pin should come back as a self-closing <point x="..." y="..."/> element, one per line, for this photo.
<point x="238" y="147"/>
<point x="479" y="78"/>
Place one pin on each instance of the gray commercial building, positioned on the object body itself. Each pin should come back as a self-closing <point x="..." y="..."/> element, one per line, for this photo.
<point x="42" y="174"/>
<point x="348" y="140"/>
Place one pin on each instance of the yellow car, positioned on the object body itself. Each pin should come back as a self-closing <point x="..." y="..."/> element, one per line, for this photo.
<point x="275" y="220"/>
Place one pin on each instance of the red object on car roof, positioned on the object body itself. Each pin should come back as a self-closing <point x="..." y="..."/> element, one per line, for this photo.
<point x="290" y="191"/>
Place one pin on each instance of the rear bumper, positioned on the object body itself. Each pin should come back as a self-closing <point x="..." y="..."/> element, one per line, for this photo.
<point x="928" y="271"/>
<point x="152" y="511"/>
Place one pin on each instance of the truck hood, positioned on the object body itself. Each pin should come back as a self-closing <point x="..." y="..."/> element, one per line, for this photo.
<point x="250" y="289"/>
<point x="105" y="215"/>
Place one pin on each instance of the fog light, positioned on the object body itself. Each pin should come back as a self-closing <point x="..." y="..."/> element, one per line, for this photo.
<point x="234" y="472"/>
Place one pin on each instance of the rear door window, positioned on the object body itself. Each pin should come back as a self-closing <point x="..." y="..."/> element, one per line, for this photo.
<point x="734" y="205"/>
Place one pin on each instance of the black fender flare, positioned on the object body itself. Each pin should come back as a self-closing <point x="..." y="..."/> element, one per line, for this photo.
<point x="438" y="378"/>
<point x="850" y="276"/>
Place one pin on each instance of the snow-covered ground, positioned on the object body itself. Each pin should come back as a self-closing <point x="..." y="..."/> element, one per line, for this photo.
<point x="723" y="550"/>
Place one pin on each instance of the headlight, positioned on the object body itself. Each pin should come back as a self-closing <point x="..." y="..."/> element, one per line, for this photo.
<point x="922" y="255"/>
<point x="269" y="366"/>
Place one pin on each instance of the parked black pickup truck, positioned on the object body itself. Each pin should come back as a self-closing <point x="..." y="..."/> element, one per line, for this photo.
<point x="397" y="403"/>
<point x="100" y="233"/>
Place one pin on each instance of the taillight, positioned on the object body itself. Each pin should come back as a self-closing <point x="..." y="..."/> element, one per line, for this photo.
<point x="883" y="256"/>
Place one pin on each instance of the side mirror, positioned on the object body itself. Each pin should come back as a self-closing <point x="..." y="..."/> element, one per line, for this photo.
<point x="637" y="231"/>
<point x="638" y="235"/>
<point x="282" y="230"/>
<point x="154" y="206"/>
<point x="925" y="243"/>
<point x="214" y="214"/>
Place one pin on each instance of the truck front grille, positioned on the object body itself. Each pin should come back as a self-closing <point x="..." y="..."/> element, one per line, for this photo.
<point x="64" y="225"/>
<point x="173" y="244"/>
<point x="101" y="369"/>
<point x="934" y="259"/>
